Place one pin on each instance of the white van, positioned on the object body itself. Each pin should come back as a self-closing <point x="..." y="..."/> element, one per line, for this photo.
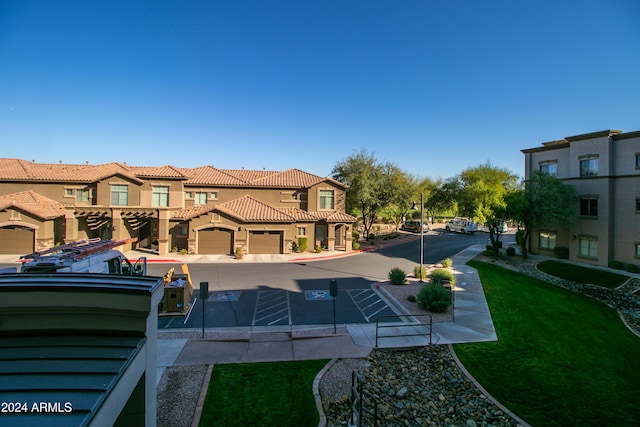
<point x="462" y="225"/>
<point x="84" y="256"/>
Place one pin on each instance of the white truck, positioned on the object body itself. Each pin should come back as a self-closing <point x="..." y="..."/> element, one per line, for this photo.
<point x="84" y="256"/>
<point x="462" y="225"/>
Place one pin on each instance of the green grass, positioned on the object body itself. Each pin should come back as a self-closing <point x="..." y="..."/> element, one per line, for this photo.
<point x="561" y="358"/>
<point x="582" y="274"/>
<point x="262" y="394"/>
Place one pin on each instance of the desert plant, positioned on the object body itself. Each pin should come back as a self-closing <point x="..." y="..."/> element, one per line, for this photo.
<point x="433" y="297"/>
<point x="561" y="252"/>
<point x="397" y="276"/>
<point x="416" y="272"/>
<point x="617" y="265"/>
<point x="183" y="251"/>
<point x="447" y="263"/>
<point x="239" y="252"/>
<point x="511" y="251"/>
<point x="372" y="236"/>
<point x="318" y="249"/>
<point x="355" y="246"/>
<point x="439" y="274"/>
<point x="302" y="244"/>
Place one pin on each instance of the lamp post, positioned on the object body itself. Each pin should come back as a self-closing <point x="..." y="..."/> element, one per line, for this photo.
<point x="421" y="232"/>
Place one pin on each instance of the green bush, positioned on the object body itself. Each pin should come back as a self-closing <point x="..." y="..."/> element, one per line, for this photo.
<point x="412" y="298"/>
<point x="397" y="276"/>
<point x="372" y="236"/>
<point x="632" y="268"/>
<point x="561" y="252"/>
<point x="489" y="251"/>
<point x="511" y="251"/>
<point x="447" y="263"/>
<point x="318" y="249"/>
<point x="355" y="236"/>
<point x="355" y="246"/>
<point x="519" y="237"/>
<point x="433" y="297"/>
<point x="439" y="274"/>
<point x="617" y="265"/>
<point x="302" y="244"/>
<point x="416" y="272"/>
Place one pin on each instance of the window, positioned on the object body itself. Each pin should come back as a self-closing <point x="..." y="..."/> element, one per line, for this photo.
<point x="588" y="207"/>
<point x="83" y="196"/>
<point x="637" y="160"/>
<point x="213" y="195"/>
<point x="326" y="199"/>
<point x="637" y="205"/>
<point x="637" y="250"/>
<point x="160" y="196"/>
<point x="547" y="240"/>
<point x="589" y="167"/>
<point x="188" y="195"/>
<point x="119" y="195"/>
<point x="588" y="247"/>
<point x="200" y="198"/>
<point x="302" y="231"/>
<point x="550" y="168"/>
<point x="68" y="192"/>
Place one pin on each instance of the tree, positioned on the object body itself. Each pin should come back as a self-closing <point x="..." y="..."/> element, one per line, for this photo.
<point x="443" y="197"/>
<point x="545" y="202"/>
<point x="482" y="196"/>
<point x="369" y="185"/>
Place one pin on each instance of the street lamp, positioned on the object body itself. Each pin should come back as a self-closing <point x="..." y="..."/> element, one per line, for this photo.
<point x="413" y="207"/>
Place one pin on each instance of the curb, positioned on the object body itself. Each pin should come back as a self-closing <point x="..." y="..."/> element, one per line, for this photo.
<point x="316" y="393"/>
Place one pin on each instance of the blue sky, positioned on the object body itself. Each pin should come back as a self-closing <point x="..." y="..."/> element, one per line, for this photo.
<point x="432" y="86"/>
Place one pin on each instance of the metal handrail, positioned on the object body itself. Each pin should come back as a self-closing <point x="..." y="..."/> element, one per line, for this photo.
<point x="428" y="324"/>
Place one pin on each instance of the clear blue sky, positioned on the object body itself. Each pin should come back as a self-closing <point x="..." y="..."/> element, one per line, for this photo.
<point x="433" y="86"/>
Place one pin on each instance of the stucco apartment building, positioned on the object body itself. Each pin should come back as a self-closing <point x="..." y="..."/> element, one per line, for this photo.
<point x="202" y="210"/>
<point x="604" y="168"/>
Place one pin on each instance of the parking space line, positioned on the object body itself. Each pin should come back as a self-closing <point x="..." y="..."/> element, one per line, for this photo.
<point x="272" y="307"/>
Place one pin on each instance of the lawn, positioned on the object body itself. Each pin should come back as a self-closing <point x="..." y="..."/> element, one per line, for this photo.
<point x="580" y="274"/>
<point x="561" y="358"/>
<point x="262" y="394"/>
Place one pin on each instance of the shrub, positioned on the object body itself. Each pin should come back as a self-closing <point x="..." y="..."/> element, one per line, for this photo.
<point x="397" y="276"/>
<point x="519" y="237"/>
<point x="632" y="268"/>
<point x="355" y="246"/>
<point x="412" y="298"/>
<point x="511" y="251"/>
<point x="302" y="244"/>
<point x="561" y="252"/>
<point x="183" y="251"/>
<point x="433" y="297"/>
<point x="617" y="265"/>
<point x="372" y="236"/>
<point x="318" y="249"/>
<point x="239" y="252"/>
<point x="447" y="263"/>
<point x="355" y="235"/>
<point x="416" y="272"/>
<point x="442" y="274"/>
<point x="489" y="251"/>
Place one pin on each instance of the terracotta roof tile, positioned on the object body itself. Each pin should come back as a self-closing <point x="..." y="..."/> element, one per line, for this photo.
<point x="299" y="214"/>
<point x="289" y="178"/>
<point x="20" y="170"/>
<point x="334" y="216"/>
<point x="166" y="171"/>
<point x="192" y="212"/>
<point x="208" y="175"/>
<point x="248" y="209"/>
<point x="33" y="203"/>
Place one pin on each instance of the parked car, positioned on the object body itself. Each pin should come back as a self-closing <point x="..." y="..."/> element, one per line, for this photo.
<point x="414" y="226"/>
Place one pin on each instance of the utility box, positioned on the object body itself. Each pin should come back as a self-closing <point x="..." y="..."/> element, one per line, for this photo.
<point x="177" y="293"/>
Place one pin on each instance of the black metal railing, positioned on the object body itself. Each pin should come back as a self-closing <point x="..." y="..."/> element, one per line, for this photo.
<point x="358" y="408"/>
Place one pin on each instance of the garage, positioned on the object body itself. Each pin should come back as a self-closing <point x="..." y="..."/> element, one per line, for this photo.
<point x="265" y="242"/>
<point x="215" y="241"/>
<point x="16" y="240"/>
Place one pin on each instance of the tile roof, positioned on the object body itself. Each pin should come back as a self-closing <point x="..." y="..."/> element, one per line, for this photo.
<point x="299" y="214"/>
<point x="334" y="216"/>
<point x="33" y="203"/>
<point x="192" y="212"/>
<point x="248" y="209"/>
<point x="22" y="170"/>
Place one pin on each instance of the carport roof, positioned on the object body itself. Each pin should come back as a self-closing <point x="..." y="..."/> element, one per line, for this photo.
<point x="55" y="369"/>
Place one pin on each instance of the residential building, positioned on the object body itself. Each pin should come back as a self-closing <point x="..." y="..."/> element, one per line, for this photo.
<point x="201" y="210"/>
<point x="604" y="168"/>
